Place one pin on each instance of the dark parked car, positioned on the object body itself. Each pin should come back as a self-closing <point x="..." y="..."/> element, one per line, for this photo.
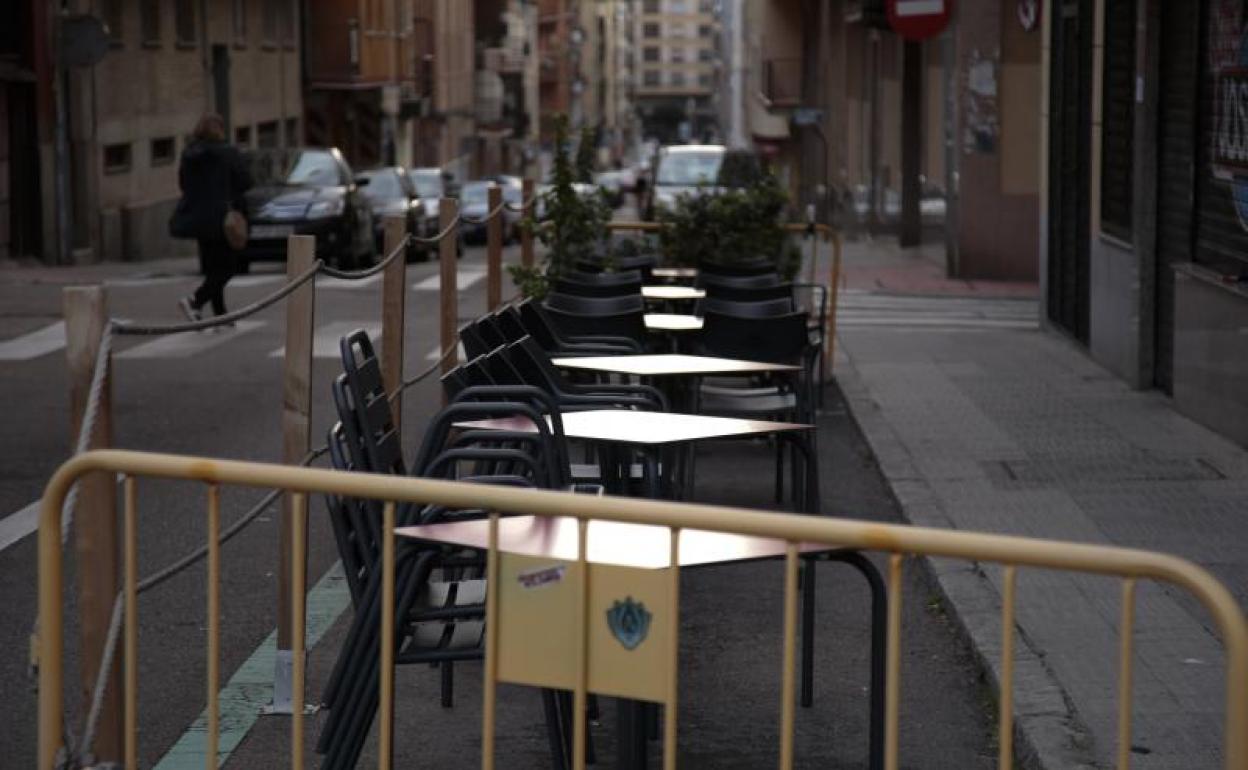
<point x="308" y="191"/>
<point x="431" y="185"/>
<point x="474" y="203"/>
<point x="390" y="192"/>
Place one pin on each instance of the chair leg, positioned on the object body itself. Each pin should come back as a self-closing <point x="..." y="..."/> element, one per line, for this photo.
<point x="779" y="472"/>
<point x="808" y="632"/>
<point x="448" y="684"/>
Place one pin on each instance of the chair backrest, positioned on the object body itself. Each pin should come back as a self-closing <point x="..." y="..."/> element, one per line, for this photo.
<point x="491" y="330"/>
<point x="474" y="341"/>
<point x="642" y="263"/>
<point x="778" y="339"/>
<point x="748" y="293"/>
<point x="594" y="306"/>
<point x="752" y="267"/>
<point x="621" y="277"/>
<point x="761" y="309"/>
<point x="613" y="316"/>
<point x="580" y="289"/>
<point x="370" y="404"/>
<point x="533" y="323"/>
<point x="760" y="280"/>
<point x="356" y="529"/>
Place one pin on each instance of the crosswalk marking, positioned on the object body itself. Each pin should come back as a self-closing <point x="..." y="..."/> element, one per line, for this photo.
<point x="325" y="338"/>
<point x="34" y="344"/>
<point x="464" y="279"/>
<point x="188" y="344"/>
<point x="888" y="312"/>
<point x="343" y="283"/>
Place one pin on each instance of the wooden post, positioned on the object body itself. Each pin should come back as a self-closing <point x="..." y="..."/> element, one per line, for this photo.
<point x="296" y="440"/>
<point x="834" y="290"/>
<point x="393" y="311"/>
<point x="494" y="250"/>
<point x="96" y="538"/>
<point x="526" y="237"/>
<point x="448" y="210"/>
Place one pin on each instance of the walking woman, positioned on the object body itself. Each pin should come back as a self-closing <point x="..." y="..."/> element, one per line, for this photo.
<point x="213" y="178"/>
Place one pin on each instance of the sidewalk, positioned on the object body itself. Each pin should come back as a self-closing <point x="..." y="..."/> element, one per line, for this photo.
<point x="1007" y="428"/>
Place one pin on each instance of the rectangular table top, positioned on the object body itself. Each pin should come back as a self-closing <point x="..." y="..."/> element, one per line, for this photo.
<point x="673" y="322"/>
<point x="672" y="292"/>
<point x="674" y="272"/>
<point x="644" y="546"/>
<point x="664" y="364"/>
<point x="632" y="427"/>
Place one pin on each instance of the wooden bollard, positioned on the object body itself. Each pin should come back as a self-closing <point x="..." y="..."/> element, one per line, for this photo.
<point x="494" y="250"/>
<point x="526" y="236"/>
<point x="296" y="440"/>
<point x="96" y="538"/>
<point x="393" y="312"/>
<point x="448" y="211"/>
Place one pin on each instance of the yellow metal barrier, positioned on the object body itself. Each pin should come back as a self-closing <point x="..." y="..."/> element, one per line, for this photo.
<point x="1128" y="564"/>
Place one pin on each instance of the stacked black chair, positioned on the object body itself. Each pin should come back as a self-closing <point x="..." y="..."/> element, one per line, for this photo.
<point x="599" y="284"/>
<point x="644" y="263"/>
<point x="439" y="621"/>
<point x="529" y="319"/>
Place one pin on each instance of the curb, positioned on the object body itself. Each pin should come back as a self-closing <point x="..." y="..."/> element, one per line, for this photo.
<point x="1048" y="734"/>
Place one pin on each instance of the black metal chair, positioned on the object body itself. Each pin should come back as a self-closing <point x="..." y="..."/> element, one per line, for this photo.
<point x="527" y="319"/>
<point x="752" y="267"/>
<point x="766" y="308"/>
<point x="599" y="284"/>
<point x="736" y="293"/>
<point x="757" y="280"/>
<point x="614" y="316"/>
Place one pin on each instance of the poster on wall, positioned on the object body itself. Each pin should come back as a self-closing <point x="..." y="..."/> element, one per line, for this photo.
<point x="1228" y="64"/>
<point x="982" y="119"/>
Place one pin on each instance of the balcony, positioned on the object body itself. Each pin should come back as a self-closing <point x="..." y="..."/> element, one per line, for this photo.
<point x="782" y="82"/>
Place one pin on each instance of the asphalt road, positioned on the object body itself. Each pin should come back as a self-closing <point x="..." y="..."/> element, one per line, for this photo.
<point x="225" y="400"/>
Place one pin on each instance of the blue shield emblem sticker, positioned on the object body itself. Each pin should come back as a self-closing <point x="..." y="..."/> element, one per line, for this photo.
<point x="629" y="622"/>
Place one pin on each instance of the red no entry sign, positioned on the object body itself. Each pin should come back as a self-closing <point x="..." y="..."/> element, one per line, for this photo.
<point x="918" y="19"/>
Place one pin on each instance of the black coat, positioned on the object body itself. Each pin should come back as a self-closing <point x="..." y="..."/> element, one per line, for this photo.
<point x="213" y="177"/>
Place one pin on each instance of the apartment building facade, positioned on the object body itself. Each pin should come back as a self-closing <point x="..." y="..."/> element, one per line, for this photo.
<point x="678" y="68"/>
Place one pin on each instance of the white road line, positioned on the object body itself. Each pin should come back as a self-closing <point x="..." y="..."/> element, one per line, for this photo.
<point x="18" y="525"/>
<point x="325" y="338"/>
<point x="247" y="281"/>
<point x="343" y="283"/>
<point x="464" y="279"/>
<point x="189" y="344"/>
<point x="37" y="343"/>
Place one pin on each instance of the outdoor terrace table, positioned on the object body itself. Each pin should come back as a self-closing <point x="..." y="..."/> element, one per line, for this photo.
<point x="651" y="432"/>
<point x="673" y="322"/>
<point x="672" y="293"/>
<point x="621" y="544"/>
<point x="675" y="273"/>
<point x="671" y="364"/>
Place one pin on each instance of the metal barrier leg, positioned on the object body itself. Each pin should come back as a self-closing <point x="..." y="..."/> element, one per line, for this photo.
<point x="808" y="632"/>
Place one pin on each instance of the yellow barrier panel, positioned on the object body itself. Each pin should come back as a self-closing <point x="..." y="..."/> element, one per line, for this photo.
<point x="1125" y="563"/>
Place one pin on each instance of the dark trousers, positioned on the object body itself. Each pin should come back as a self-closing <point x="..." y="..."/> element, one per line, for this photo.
<point x="220" y="264"/>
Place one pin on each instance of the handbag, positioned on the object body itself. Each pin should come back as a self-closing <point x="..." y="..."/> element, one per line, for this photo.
<point x="235" y="228"/>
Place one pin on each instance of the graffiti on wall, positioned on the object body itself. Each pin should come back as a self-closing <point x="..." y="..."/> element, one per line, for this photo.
<point x="1228" y="64"/>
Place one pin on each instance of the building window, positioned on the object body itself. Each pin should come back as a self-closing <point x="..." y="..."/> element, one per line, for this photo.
<point x="706" y="81"/>
<point x="149" y="22"/>
<point x="242" y="136"/>
<point x="266" y="135"/>
<point x="292" y="132"/>
<point x="268" y="26"/>
<point x="650" y="54"/>
<point x="116" y="158"/>
<point x="111" y="15"/>
<point x="651" y="6"/>
<point x="650" y="78"/>
<point x="184" y="22"/>
<point x="650" y="29"/>
<point x="163" y="150"/>
<point x="706" y="54"/>
<point x="705" y="30"/>
<point x="678" y="55"/>
<point x="240" y="22"/>
<point x="677" y="78"/>
<point x="1118" y="119"/>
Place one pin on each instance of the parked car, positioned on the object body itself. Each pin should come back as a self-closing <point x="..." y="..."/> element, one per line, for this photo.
<point x="307" y="191"/>
<point x="390" y="192"/>
<point x="432" y="184"/>
<point x="687" y="169"/>
<point x="474" y="204"/>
